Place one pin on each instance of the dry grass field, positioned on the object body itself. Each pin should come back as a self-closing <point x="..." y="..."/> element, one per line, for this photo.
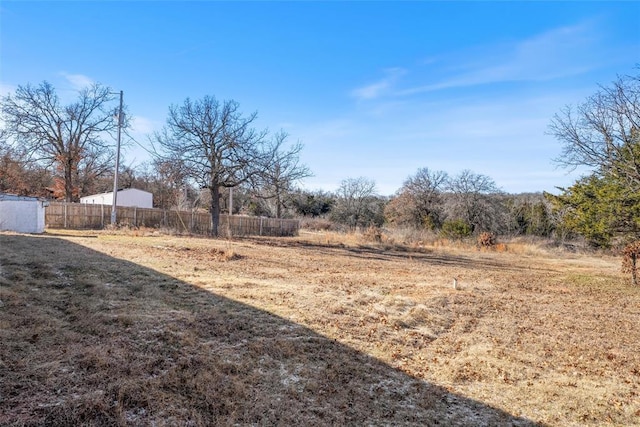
<point x="102" y="328"/>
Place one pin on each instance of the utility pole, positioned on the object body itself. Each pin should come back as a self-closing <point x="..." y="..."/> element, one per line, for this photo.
<point x="115" y="175"/>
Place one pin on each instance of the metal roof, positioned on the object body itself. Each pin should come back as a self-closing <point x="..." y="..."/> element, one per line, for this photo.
<point x="16" y="198"/>
<point x="120" y="190"/>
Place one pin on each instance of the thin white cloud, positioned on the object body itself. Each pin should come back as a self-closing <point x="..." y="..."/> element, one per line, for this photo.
<point x="142" y="125"/>
<point x="371" y="91"/>
<point x="78" y="81"/>
<point x="560" y="52"/>
<point x="379" y="88"/>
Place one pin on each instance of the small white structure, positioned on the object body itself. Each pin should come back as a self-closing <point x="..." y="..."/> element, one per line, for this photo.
<point x="131" y="197"/>
<point x="22" y="214"/>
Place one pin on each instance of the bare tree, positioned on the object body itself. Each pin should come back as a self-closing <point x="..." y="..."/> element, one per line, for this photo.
<point x="215" y="146"/>
<point x="281" y="171"/>
<point x="419" y="202"/>
<point x="357" y="203"/>
<point x="470" y="200"/>
<point x="603" y="133"/>
<point x="67" y="136"/>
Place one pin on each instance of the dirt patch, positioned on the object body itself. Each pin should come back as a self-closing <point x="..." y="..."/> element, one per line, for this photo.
<point x="198" y="253"/>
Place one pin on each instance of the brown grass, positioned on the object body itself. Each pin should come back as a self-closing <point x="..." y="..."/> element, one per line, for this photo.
<point x="323" y="329"/>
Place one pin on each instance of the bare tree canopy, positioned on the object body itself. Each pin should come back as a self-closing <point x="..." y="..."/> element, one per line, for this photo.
<point x="215" y="145"/>
<point x="603" y="133"/>
<point x="470" y="201"/>
<point x="67" y="136"/>
<point x="425" y="182"/>
<point x="357" y="204"/>
<point x="418" y="203"/>
<point x="281" y="171"/>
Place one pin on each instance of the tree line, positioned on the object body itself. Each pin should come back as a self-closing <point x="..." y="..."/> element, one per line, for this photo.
<point x="210" y="153"/>
<point x="458" y="206"/>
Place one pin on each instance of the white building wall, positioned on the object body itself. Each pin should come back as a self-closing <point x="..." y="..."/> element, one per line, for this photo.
<point x="40" y="214"/>
<point x="130" y="197"/>
<point x="98" y="199"/>
<point x="133" y="197"/>
<point x="22" y="216"/>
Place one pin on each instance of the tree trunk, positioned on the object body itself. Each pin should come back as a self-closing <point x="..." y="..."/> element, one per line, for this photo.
<point x="75" y="184"/>
<point x="634" y="272"/>
<point x="278" y="204"/>
<point x="68" y="181"/>
<point x="215" y="209"/>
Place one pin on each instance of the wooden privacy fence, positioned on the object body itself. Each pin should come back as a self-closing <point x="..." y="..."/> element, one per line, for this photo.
<point x="90" y="216"/>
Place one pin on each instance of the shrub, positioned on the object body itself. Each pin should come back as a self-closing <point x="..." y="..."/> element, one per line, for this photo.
<point x="456" y="229"/>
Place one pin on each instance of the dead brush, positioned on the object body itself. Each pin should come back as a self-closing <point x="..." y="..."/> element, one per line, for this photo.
<point x="373" y="234"/>
<point x="316" y="224"/>
<point x="224" y="255"/>
<point x="630" y="255"/>
<point x="501" y="247"/>
<point x="486" y="240"/>
<point x="410" y="237"/>
<point x="201" y="253"/>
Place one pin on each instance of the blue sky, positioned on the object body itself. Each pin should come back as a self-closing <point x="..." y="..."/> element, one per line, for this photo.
<point x="373" y="89"/>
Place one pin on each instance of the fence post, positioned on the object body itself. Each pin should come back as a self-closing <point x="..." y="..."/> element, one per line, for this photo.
<point x="101" y="215"/>
<point x="261" y="226"/>
<point x="65" y="214"/>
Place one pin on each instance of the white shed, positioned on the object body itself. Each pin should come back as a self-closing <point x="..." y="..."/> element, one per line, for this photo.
<point x="22" y="214"/>
<point x="131" y="197"/>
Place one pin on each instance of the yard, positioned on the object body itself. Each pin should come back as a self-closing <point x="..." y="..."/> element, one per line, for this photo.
<point x="100" y="328"/>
